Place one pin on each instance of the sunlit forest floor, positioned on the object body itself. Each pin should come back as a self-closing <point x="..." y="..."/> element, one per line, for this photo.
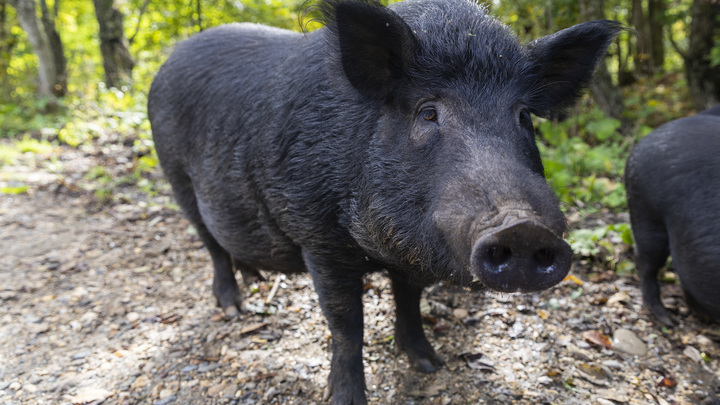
<point x="106" y="297"/>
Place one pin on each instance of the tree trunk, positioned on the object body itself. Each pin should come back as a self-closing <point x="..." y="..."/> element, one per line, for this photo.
<point x="605" y="93"/>
<point x="642" y="40"/>
<point x="703" y="80"/>
<point x="5" y="44"/>
<point x="56" y="47"/>
<point x="117" y="61"/>
<point x="656" y="11"/>
<point x="47" y="46"/>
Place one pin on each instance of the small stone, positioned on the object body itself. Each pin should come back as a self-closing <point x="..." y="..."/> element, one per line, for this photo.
<point x="15" y="386"/>
<point x="7" y="295"/>
<point x="117" y="310"/>
<point x="132" y="317"/>
<point x="269" y="394"/>
<point x="206" y="367"/>
<point x="166" y="393"/>
<point x="516" y="330"/>
<point x="612" y="364"/>
<point x="81" y="355"/>
<point x="140" y="382"/>
<point x="693" y="354"/>
<point x="189" y="368"/>
<point x="31" y="388"/>
<point x="166" y="401"/>
<point x="460" y="313"/>
<point x="229" y="391"/>
<point x="90" y="394"/>
<point x="702" y="340"/>
<point x="38" y="328"/>
<point x="564" y="340"/>
<point x="583" y="344"/>
<point x="543" y="379"/>
<point x="627" y="342"/>
<point x="215" y="390"/>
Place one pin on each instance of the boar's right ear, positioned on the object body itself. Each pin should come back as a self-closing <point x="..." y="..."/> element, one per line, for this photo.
<point x="376" y="46"/>
<point x="565" y="62"/>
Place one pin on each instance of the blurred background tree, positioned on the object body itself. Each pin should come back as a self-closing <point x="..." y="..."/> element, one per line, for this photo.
<point x="73" y="67"/>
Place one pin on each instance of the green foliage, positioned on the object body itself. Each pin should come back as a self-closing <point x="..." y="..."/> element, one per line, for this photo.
<point x="606" y="244"/>
<point x="715" y="54"/>
<point x="584" y="159"/>
<point x="31" y="145"/>
<point x="8" y="154"/>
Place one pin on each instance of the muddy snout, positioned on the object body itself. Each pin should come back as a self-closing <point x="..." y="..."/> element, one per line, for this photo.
<point x="522" y="256"/>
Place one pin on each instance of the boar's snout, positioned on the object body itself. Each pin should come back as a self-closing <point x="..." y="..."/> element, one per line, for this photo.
<point x="523" y="256"/>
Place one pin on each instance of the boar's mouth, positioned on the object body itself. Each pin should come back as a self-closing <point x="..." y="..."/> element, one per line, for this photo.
<point x="522" y="255"/>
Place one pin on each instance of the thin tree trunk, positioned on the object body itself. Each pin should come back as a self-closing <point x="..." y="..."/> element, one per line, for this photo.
<point x="56" y="47"/>
<point x="5" y="45"/>
<point x="641" y="56"/>
<point x="605" y="93"/>
<point x="48" y="84"/>
<point x="703" y="80"/>
<point x="199" y="13"/>
<point x="656" y="11"/>
<point x="117" y="61"/>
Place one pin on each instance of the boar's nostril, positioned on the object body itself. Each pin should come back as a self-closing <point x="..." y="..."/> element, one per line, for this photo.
<point x="544" y="257"/>
<point x="498" y="254"/>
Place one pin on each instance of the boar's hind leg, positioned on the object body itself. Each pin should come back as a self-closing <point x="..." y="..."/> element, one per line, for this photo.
<point x="225" y="287"/>
<point x="409" y="334"/>
<point x="651" y="253"/>
<point x="340" y="293"/>
<point x="249" y="274"/>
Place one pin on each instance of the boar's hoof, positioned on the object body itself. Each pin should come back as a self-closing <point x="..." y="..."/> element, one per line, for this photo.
<point x="421" y="354"/>
<point x="661" y="314"/>
<point x="230" y="300"/>
<point x="344" y="395"/>
<point x="522" y="256"/>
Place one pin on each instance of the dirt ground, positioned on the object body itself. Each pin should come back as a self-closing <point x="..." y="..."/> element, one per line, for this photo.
<point x="111" y="303"/>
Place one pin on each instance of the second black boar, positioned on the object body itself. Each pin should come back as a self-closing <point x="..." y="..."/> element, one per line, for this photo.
<point x="395" y="139"/>
<point x="673" y="190"/>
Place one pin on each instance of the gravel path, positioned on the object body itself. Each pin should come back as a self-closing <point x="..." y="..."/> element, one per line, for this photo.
<point x="112" y="304"/>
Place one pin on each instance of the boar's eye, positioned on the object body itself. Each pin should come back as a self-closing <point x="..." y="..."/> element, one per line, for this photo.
<point x="429" y="114"/>
<point x="525" y="120"/>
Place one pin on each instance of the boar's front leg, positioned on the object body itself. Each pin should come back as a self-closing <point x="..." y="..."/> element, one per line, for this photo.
<point x="409" y="334"/>
<point x="340" y="289"/>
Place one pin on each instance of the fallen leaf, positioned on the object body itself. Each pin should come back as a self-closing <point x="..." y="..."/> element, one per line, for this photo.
<point x="171" y="318"/>
<point x="598" y="338"/>
<point x="594" y="374"/>
<point x="667" y="382"/>
<point x="574" y="279"/>
<point x="618" y="298"/>
<point x="475" y="362"/>
<point x="253" y="327"/>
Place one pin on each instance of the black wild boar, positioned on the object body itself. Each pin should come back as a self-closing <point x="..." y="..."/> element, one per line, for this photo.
<point x="394" y="138"/>
<point x="673" y="191"/>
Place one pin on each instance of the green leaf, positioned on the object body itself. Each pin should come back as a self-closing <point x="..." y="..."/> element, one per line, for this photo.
<point x="14" y="189"/>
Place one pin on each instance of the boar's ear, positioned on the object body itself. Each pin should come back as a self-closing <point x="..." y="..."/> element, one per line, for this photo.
<point x="565" y="62"/>
<point x="376" y="46"/>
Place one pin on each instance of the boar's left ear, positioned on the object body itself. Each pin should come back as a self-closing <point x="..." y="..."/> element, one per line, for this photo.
<point x="565" y="62"/>
<point x="376" y="46"/>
